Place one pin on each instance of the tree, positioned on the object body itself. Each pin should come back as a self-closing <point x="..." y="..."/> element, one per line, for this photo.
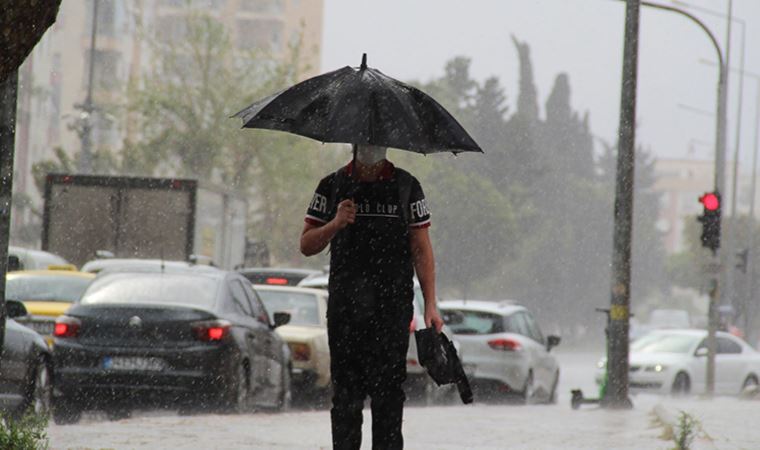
<point x="22" y="25"/>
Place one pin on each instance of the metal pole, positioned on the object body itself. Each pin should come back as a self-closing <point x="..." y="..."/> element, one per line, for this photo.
<point x="750" y="312"/>
<point x="736" y="300"/>
<point x="616" y="395"/>
<point x="8" y="96"/>
<point x="85" y="159"/>
<point x="720" y="180"/>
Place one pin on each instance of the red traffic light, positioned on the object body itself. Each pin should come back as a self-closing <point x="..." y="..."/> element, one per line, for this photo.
<point x="711" y="201"/>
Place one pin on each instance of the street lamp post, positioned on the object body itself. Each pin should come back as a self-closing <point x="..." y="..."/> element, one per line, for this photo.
<point x="720" y="159"/>
<point x="85" y="157"/>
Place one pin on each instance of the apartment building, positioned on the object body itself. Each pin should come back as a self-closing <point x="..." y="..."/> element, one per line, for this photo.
<point x="54" y="80"/>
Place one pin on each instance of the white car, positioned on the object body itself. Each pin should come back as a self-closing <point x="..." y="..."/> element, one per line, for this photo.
<point x="418" y="384"/>
<point x="305" y="333"/>
<point x="503" y="349"/>
<point x="675" y="362"/>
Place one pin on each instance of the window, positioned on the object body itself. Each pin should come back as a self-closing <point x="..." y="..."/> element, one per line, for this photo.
<point x="260" y="34"/>
<point x="727" y="346"/>
<point x="263" y="6"/>
<point x="518" y="325"/>
<point x="153" y="288"/>
<point x="106" y="74"/>
<point x="259" y="311"/>
<point x="302" y="307"/>
<point x="171" y="29"/>
<point x="533" y="330"/>
<point x="475" y="322"/>
<point x="239" y="298"/>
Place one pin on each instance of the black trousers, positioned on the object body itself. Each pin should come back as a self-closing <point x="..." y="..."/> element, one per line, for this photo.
<point x="368" y="358"/>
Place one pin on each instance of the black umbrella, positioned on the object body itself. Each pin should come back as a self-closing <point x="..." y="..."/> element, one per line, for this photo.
<point x="438" y="355"/>
<point x="361" y="106"/>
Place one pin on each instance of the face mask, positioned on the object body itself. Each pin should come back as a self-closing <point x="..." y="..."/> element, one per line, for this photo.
<point x="370" y="154"/>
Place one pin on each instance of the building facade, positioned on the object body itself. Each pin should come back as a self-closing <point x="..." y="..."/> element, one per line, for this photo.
<point x="55" y="79"/>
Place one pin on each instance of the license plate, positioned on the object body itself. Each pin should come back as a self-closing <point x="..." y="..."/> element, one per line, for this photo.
<point x="133" y="363"/>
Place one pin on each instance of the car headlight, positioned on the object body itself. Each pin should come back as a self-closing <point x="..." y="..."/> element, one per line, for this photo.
<point x="655" y="368"/>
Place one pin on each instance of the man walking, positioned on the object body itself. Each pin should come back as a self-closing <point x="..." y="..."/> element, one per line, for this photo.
<point x="375" y="218"/>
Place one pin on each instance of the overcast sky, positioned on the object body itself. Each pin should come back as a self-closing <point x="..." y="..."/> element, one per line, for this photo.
<point x="413" y="39"/>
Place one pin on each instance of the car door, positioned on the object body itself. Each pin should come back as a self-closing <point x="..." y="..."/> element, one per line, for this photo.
<point x="254" y="335"/>
<point x="519" y="323"/>
<point x="540" y="359"/>
<point x="272" y="348"/>
<point x="13" y="365"/>
<point x="730" y="366"/>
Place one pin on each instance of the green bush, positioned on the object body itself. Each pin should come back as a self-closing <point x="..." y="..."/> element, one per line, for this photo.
<point x="25" y="433"/>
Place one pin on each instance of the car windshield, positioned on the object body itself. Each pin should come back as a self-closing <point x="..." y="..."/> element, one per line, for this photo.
<point x="303" y="307"/>
<point x="475" y="322"/>
<point x="45" y="288"/>
<point x="154" y="288"/>
<point x="664" y="343"/>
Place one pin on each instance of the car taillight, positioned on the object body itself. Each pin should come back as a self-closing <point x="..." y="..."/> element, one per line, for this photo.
<point x="277" y="280"/>
<point x="507" y="345"/>
<point x="211" y="330"/>
<point x="67" y="327"/>
<point x="300" y="352"/>
<point x="412" y="325"/>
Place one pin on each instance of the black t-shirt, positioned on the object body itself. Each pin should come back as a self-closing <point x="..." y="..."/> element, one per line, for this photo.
<point x="372" y="256"/>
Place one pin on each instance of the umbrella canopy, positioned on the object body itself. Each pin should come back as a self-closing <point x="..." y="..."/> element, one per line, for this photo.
<point x="361" y="106"/>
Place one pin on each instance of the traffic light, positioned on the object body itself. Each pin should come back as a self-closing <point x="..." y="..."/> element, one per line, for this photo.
<point x="710" y="219"/>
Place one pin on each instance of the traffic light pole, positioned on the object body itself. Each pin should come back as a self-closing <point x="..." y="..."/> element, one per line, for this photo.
<point x="616" y="395"/>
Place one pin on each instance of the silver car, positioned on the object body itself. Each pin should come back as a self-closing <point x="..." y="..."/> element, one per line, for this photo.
<point x="503" y="349"/>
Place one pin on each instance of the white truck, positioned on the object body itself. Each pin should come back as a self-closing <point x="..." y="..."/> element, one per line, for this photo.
<point x="137" y="217"/>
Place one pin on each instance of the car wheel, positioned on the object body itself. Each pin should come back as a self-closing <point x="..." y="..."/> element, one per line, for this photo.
<point x="529" y="391"/>
<point x="40" y="391"/>
<point x="681" y="384"/>
<point x="286" y="395"/>
<point x="553" y="394"/>
<point x="237" y="391"/>
<point x="66" y="412"/>
<point x="750" y="383"/>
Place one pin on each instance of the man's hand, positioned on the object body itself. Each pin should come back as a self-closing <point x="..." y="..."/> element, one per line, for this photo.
<point x="346" y="214"/>
<point x="432" y="318"/>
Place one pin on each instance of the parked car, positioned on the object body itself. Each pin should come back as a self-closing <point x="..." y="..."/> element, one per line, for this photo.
<point x="31" y="259"/>
<point x="25" y="367"/>
<point x="279" y="276"/>
<point x="674" y="362"/>
<point x="669" y="318"/>
<point x="306" y="333"/>
<point x="504" y="349"/>
<point x="418" y="383"/>
<point x="188" y="337"/>
<point x="97" y="265"/>
<point x="46" y="295"/>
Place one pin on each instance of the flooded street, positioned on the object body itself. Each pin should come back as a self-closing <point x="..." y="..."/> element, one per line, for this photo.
<point x="475" y="426"/>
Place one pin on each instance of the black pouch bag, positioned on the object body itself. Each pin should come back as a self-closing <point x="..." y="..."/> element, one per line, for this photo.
<point x="438" y="355"/>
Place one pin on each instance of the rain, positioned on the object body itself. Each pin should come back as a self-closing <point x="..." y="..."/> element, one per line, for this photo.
<point x="302" y="224"/>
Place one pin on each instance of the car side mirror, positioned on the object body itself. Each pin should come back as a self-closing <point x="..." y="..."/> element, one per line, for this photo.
<point x="552" y="341"/>
<point x="15" y="309"/>
<point x="281" y="318"/>
<point x="701" y="351"/>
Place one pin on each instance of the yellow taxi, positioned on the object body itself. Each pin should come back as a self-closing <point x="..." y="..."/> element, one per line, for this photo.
<point x="46" y="294"/>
